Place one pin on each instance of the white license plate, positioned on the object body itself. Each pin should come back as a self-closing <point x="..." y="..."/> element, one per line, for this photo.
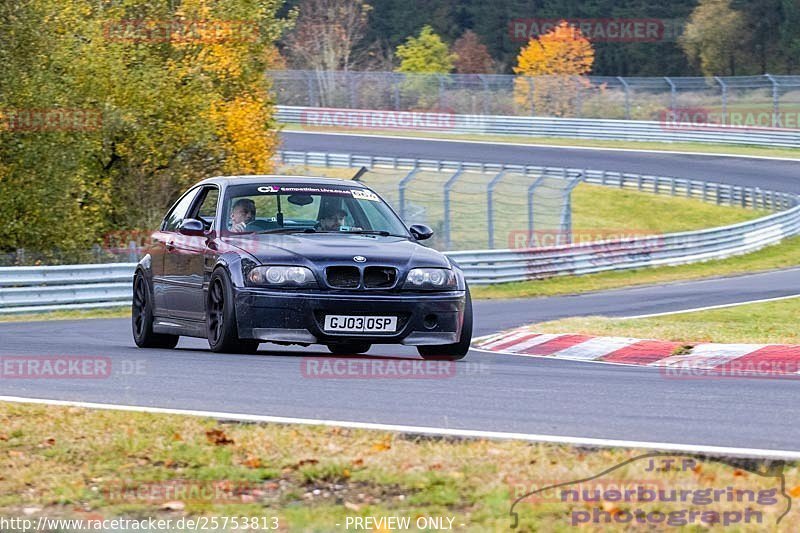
<point x="361" y="324"/>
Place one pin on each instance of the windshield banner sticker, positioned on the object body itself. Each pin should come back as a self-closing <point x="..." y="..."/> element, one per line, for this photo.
<point x="363" y="194"/>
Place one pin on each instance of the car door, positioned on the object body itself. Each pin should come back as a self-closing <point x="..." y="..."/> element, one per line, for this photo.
<point x="193" y="257"/>
<point x="168" y="282"/>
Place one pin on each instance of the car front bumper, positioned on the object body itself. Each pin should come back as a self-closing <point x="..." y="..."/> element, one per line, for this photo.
<point x="295" y="317"/>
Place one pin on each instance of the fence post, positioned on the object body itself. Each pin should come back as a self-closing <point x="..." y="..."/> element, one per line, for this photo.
<point x="530" y="96"/>
<point x="490" y="205"/>
<point x="627" y="97"/>
<point x="776" y="122"/>
<point x="402" y="189"/>
<point x="673" y="104"/>
<point x="724" y="87"/>
<point x="310" y="87"/>
<point x="396" y="90"/>
<point x="566" y="206"/>
<point x="133" y="252"/>
<point x="531" y="192"/>
<point x="351" y="82"/>
<point x="448" y="186"/>
<point x="486" y="95"/>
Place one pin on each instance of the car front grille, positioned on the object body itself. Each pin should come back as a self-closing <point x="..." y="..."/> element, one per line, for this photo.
<point x="378" y="277"/>
<point x="343" y="277"/>
<point x="350" y="277"/>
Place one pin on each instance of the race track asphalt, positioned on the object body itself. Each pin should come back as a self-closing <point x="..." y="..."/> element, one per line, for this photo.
<point x="485" y="391"/>
<point x="772" y="174"/>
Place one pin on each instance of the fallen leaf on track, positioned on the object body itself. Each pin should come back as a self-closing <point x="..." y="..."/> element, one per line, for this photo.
<point x="218" y="437"/>
<point x="252" y="462"/>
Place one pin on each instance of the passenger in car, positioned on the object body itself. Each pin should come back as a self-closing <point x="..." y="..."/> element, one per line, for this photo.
<point x="242" y="213"/>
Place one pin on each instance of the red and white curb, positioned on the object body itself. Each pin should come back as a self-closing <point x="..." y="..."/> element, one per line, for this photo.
<point x="676" y="358"/>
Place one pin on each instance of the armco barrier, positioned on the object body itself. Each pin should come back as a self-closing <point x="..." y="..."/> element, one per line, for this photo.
<point x="499" y="266"/>
<point x="719" y="193"/>
<point x="47" y="288"/>
<point x="578" y="128"/>
<point x="32" y="289"/>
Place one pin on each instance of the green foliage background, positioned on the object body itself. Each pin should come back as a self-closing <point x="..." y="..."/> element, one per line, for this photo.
<point x="62" y="191"/>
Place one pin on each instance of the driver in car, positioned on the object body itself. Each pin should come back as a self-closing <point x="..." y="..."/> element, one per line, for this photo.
<point x="242" y="213"/>
<point x="332" y="220"/>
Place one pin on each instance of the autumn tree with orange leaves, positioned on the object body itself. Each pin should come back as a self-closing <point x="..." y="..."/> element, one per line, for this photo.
<point x="550" y="71"/>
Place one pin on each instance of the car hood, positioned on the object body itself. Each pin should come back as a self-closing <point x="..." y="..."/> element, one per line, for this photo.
<point x="325" y="248"/>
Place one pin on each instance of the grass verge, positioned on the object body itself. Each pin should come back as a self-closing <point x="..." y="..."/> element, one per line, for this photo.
<point x="77" y="314"/>
<point x="722" y="149"/>
<point x="783" y="255"/>
<point x="760" y="323"/>
<point x="91" y="465"/>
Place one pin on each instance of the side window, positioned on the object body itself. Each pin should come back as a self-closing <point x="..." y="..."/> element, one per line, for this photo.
<point x="178" y="213"/>
<point x="207" y="209"/>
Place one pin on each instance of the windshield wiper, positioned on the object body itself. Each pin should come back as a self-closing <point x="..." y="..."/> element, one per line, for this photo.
<point x="382" y="233"/>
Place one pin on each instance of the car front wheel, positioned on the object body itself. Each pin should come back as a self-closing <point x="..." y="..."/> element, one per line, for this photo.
<point x="221" y="317"/>
<point x="142" y="318"/>
<point x="455" y="351"/>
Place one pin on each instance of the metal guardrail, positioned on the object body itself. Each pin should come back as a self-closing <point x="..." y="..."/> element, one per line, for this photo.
<point x="47" y="288"/>
<point x="578" y="128"/>
<point x="34" y="289"/>
<point x="500" y="266"/>
<point x="719" y="193"/>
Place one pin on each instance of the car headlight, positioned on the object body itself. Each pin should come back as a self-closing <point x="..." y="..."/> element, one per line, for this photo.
<point x="281" y="276"/>
<point x="430" y="279"/>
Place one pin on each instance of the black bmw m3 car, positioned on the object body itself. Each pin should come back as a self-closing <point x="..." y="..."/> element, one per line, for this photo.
<point x="297" y="260"/>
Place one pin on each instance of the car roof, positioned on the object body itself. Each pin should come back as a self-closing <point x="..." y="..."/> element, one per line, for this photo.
<point x="278" y="179"/>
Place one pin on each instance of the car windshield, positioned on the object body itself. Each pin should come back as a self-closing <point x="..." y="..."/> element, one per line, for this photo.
<point x="271" y="208"/>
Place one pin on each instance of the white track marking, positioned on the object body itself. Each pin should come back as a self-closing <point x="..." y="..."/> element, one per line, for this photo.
<point x="708" y="308"/>
<point x="595" y="348"/>
<point x="709" y="355"/>
<point x="530" y="343"/>
<point x="424" y="430"/>
<point x="508" y="338"/>
<point x="601" y="148"/>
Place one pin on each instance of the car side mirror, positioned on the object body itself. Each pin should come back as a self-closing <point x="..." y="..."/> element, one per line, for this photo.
<point x="191" y="227"/>
<point x="421" y="232"/>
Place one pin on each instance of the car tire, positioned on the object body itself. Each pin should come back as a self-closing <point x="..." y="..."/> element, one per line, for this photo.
<point x="221" y="329"/>
<point x="142" y="318"/>
<point x="455" y="351"/>
<point x="349" y="348"/>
